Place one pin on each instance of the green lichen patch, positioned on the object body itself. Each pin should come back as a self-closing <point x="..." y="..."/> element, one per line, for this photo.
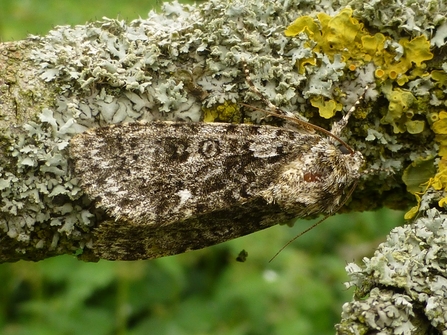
<point x="344" y="35"/>
<point x="227" y="112"/>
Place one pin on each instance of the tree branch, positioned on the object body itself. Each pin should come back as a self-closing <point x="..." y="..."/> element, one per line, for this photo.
<point x="186" y="64"/>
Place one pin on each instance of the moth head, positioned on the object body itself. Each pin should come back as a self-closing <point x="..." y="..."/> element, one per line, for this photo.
<point x="350" y="161"/>
<point x="357" y="161"/>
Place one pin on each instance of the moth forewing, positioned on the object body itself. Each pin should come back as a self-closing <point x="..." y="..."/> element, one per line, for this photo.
<point x="168" y="187"/>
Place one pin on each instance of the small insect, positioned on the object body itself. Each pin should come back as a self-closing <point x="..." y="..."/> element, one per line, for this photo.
<point x="242" y="256"/>
<point x="162" y="188"/>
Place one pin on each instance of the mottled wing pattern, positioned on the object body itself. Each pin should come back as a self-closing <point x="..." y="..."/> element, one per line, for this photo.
<point x="161" y="172"/>
<point x="169" y="187"/>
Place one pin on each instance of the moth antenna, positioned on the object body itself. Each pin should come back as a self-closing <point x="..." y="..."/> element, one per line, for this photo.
<point x="281" y="114"/>
<point x="348" y="195"/>
<point x="340" y="125"/>
<point x="255" y="90"/>
<point x="304" y="124"/>
<point x="299" y="235"/>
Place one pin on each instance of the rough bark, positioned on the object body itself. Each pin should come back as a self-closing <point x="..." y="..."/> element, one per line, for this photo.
<point x="186" y="64"/>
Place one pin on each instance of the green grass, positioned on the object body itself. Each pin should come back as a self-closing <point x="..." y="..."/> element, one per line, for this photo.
<point x="200" y="292"/>
<point x="18" y="18"/>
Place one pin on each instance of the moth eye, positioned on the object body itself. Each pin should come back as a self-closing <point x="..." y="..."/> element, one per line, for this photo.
<point x="344" y="150"/>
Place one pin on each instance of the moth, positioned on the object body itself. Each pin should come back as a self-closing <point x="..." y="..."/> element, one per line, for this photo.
<point x="162" y="188"/>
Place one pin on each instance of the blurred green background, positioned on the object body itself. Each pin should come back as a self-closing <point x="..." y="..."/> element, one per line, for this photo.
<point x="200" y="292"/>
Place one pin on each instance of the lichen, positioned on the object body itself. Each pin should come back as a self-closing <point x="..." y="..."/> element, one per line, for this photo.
<point x="382" y="311"/>
<point x="398" y="108"/>
<point x="227" y="112"/>
<point x="327" y="109"/>
<point x="439" y="127"/>
<point x="344" y="36"/>
<point x="404" y="280"/>
<point x="406" y="17"/>
<point x="399" y="68"/>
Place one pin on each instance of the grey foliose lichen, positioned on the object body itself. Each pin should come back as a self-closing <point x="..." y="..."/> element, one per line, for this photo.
<point x="402" y="288"/>
<point x="39" y="196"/>
<point x="401" y="17"/>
